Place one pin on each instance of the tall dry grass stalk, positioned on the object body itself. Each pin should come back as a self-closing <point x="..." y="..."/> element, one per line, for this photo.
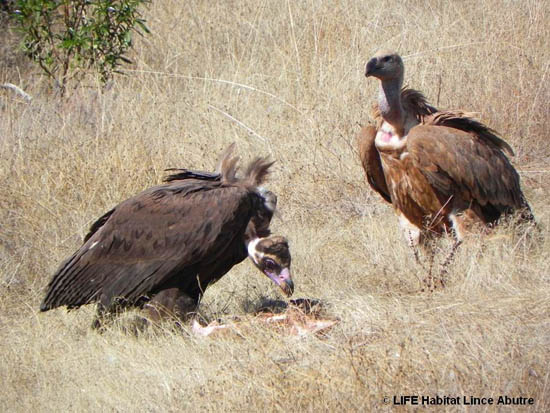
<point x="283" y="79"/>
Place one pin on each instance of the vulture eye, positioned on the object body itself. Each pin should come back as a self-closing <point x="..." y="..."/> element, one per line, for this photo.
<point x="386" y="59"/>
<point x="270" y="264"/>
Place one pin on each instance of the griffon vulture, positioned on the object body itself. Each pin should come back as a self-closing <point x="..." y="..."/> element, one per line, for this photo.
<point x="163" y="247"/>
<point x="441" y="170"/>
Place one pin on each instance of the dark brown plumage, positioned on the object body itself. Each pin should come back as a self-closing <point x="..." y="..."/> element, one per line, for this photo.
<point x="441" y="170"/>
<point x="170" y="242"/>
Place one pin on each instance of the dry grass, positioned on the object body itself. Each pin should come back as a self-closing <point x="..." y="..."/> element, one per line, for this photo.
<point x="283" y="79"/>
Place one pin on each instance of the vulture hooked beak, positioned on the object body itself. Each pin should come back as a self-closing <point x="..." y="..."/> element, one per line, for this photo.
<point x="371" y="67"/>
<point x="272" y="257"/>
<point x="282" y="279"/>
<point x="385" y="65"/>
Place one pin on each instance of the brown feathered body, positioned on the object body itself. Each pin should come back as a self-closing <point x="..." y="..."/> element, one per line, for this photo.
<point x="168" y="243"/>
<point x="441" y="170"/>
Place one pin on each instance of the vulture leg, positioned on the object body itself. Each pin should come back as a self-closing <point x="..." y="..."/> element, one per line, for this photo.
<point x="449" y="259"/>
<point x="432" y="282"/>
<point x="172" y="302"/>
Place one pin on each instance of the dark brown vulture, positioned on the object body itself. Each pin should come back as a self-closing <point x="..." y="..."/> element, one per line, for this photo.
<point x="441" y="170"/>
<point x="165" y="246"/>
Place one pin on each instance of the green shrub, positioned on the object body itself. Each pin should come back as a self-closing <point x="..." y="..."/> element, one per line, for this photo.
<point x="69" y="37"/>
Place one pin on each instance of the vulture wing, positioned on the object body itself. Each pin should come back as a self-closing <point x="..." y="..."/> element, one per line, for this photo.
<point x="182" y="174"/>
<point x="370" y="159"/>
<point x="163" y="235"/>
<point x="461" y="163"/>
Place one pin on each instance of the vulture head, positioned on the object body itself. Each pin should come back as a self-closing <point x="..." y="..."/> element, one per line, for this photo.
<point x="385" y="65"/>
<point x="272" y="257"/>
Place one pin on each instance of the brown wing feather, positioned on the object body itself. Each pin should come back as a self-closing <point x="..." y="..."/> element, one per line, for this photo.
<point x="226" y="170"/>
<point x="465" y="121"/>
<point x="411" y="192"/>
<point x="98" y="224"/>
<point x="183" y="174"/>
<point x="459" y="163"/>
<point x="164" y="232"/>
<point x="370" y="159"/>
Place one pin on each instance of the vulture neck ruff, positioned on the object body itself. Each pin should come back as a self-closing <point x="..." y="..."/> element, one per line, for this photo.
<point x="252" y="249"/>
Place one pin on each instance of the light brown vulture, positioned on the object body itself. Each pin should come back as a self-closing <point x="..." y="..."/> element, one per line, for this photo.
<point x="163" y="247"/>
<point x="441" y="170"/>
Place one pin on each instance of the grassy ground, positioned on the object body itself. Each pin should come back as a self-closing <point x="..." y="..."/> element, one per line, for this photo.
<point x="283" y="79"/>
